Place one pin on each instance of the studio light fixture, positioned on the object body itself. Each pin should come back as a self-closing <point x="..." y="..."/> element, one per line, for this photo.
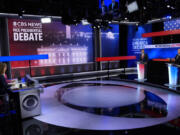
<point x="85" y="22"/>
<point x="133" y="6"/>
<point x="168" y="17"/>
<point x="168" y="6"/>
<point x="46" y="20"/>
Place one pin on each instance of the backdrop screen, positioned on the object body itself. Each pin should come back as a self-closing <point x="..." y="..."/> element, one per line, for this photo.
<point x="165" y="50"/>
<point x="64" y="44"/>
<point x="136" y="42"/>
<point x="110" y="41"/>
<point x="109" y="7"/>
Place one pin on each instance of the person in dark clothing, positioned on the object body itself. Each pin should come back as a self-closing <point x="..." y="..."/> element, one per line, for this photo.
<point x="176" y="61"/>
<point x="104" y="8"/>
<point x="177" y="58"/>
<point x="144" y="59"/>
<point x="144" y="56"/>
<point x="114" y="8"/>
<point x="4" y="93"/>
<point x="3" y="84"/>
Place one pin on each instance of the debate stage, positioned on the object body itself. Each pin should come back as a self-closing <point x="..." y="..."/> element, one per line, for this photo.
<point x="107" y="105"/>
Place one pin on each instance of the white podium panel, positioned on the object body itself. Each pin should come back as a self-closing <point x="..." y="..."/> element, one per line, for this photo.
<point x="173" y="72"/>
<point x="141" y="71"/>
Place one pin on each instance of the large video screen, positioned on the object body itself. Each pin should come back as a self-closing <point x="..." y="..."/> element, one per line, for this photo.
<point x="64" y="44"/>
<point x="136" y="43"/>
<point x="107" y="3"/>
<point x="166" y="50"/>
<point x="154" y="51"/>
<point x="110" y="8"/>
<point x="117" y="9"/>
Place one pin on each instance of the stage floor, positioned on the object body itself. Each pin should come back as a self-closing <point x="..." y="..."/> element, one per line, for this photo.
<point x="80" y="105"/>
<point x="101" y="107"/>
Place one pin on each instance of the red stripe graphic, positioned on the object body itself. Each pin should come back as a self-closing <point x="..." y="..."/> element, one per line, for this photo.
<point x="115" y="58"/>
<point x="161" y="33"/>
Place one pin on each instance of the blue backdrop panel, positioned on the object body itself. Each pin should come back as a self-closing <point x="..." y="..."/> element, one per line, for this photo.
<point x="161" y="53"/>
<point x="135" y="42"/>
<point x="110" y="41"/>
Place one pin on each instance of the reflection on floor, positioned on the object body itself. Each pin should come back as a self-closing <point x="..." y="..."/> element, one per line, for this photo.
<point x="35" y="127"/>
<point x="79" y="108"/>
<point x="112" y="100"/>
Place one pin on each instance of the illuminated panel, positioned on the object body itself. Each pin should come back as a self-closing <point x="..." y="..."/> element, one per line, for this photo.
<point x="115" y="58"/>
<point x="161" y="33"/>
<point x="173" y="74"/>
<point x="172" y="24"/>
<point x="23" y="57"/>
<point x="140" y="70"/>
<point x="79" y="55"/>
<point x="63" y="55"/>
<point x="167" y="60"/>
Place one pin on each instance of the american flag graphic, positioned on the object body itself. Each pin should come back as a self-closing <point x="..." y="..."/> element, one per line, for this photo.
<point x="172" y="25"/>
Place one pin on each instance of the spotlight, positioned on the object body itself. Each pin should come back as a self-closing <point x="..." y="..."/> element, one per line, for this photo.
<point x="168" y="17"/>
<point x="173" y="8"/>
<point x="85" y="22"/>
<point x="46" y="20"/>
<point x="168" y="6"/>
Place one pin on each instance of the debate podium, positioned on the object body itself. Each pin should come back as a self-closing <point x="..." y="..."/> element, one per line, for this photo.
<point x="173" y="73"/>
<point x="141" y="71"/>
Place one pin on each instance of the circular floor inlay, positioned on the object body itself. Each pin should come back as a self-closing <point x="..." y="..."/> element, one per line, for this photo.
<point x="103" y="96"/>
<point x="56" y="113"/>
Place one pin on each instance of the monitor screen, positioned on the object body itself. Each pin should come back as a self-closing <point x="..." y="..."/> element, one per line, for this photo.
<point x="109" y="8"/>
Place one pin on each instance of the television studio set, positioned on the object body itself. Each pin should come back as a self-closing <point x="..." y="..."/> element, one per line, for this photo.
<point x="89" y="67"/>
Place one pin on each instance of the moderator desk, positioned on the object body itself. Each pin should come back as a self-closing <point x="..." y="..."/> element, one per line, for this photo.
<point x="27" y="101"/>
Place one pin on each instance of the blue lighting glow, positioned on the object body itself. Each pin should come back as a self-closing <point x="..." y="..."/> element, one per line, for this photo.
<point x="106" y="2"/>
<point x="173" y="74"/>
<point x="168" y="17"/>
<point x="23" y="57"/>
<point x="110" y="41"/>
<point x="161" y="53"/>
<point x="152" y="97"/>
